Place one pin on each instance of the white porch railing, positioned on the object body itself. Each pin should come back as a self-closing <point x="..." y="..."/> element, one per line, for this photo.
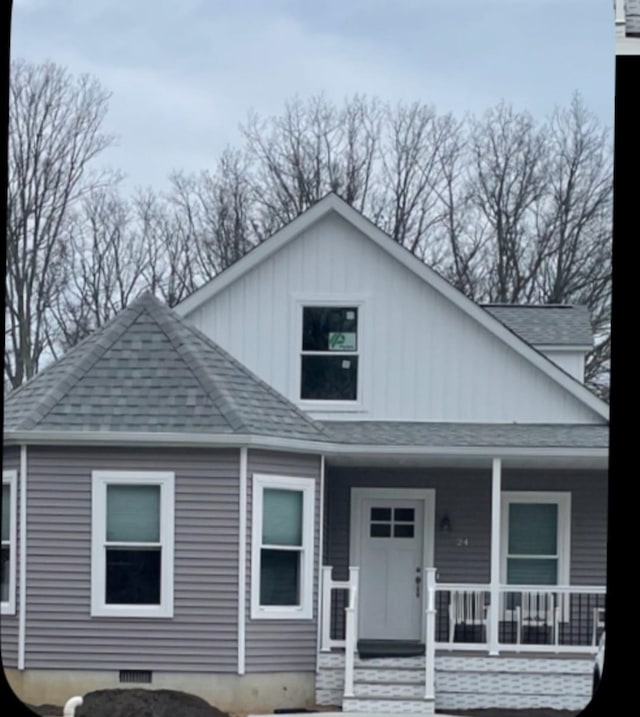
<point x="460" y="616"/>
<point x="339" y="591"/>
<point x="534" y="618"/>
<point x="345" y="595"/>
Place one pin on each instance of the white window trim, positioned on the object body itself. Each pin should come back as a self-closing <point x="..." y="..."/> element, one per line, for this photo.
<point x="563" y="501"/>
<point x="306" y="486"/>
<point x="100" y="480"/>
<point x="10" y="478"/>
<point x="345" y="300"/>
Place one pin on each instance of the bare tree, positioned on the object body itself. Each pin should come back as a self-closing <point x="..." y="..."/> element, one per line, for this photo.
<point x="168" y="242"/>
<point x="104" y="269"/>
<point x="575" y="225"/>
<point x="216" y="213"/>
<point x="507" y="182"/>
<point x="54" y="134"/>
<point x="310" y="150"/>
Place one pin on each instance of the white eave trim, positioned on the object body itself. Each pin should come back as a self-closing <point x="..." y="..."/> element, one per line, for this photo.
<point x="292" y="444"/>
<point x="564" y="348"/>
<point x="333" y="203"/>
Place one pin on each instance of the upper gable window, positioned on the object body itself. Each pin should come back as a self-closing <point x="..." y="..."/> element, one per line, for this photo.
<point x="329" y="368"/>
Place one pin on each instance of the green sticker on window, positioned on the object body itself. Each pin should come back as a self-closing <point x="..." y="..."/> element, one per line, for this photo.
<point x="341" y="341"/>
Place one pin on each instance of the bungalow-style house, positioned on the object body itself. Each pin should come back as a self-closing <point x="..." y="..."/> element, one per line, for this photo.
<point x="627" y="23"/>
<point x="326" y="477"/>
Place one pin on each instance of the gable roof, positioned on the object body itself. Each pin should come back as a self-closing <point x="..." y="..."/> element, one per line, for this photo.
<point x="333" y="203"/>
<point x="546" y="324"/>
<point x="150" y="371"/>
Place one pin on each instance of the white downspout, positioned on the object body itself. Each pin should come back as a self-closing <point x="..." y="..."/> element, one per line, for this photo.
<point x="320" y="583"/>
<point x="22" y="612"/>
<point x="494" y="608"/>
<point x="70" y="706"/>
<point x="242" y="560"/>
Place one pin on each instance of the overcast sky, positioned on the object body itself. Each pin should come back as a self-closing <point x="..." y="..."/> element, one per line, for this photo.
<point x="184" y="73"/>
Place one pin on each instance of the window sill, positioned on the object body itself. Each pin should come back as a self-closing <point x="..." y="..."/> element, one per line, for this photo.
<point x="331" y="406"/>
<point x="152" y="611"/>
<point x="7" y="608"/>
<point x="283" y="613"/>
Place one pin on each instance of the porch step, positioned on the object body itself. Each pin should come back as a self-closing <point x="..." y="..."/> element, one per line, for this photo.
<point x="388" y="706"/>
<point x="389" y="686"/>
<point x="410" y="675"/>
<point x="389" y="663"/>
<point x="394" y="690"/>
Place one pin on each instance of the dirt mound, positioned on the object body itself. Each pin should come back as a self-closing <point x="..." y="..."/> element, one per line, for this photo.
<point x="145" y="703"/>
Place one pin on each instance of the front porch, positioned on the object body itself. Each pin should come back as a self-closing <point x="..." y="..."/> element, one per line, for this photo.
<point x="502" y="642"/>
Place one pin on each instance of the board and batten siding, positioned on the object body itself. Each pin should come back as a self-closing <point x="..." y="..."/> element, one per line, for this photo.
<point x="421" y="357"/>
<point x="9" y="623"/>
<point x="202" y="635"/>
<point x="282" y="645"/>
<point x="570" y="361"/>
<point x="465" y="495"/>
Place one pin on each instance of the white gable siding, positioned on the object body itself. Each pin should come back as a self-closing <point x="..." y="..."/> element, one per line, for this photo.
<point x="422" y="358"/>
<point x="570" y="361"/>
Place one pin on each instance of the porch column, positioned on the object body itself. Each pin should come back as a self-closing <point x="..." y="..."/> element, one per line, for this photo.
<point x="494" y="608"/>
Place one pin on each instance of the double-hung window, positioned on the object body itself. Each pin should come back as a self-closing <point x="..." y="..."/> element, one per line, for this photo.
<point x="8" y="566"/>
<point x="282" y="547"/>
<point x="132" y="544"/>
<point x="535" y="538"/>
<point x="329" y="353"/>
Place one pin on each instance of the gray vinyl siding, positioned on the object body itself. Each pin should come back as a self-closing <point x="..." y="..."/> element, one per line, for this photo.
<point x="9" y="623"/>
<point x="282" y="645"/>
<point x="465" y="495"/>
<point x="202" y="635"/>
<point x="588" y="560"/>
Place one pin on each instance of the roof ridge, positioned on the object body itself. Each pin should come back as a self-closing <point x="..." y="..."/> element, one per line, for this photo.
<point x="102" y="341"/>
<point x="200" y="372"/>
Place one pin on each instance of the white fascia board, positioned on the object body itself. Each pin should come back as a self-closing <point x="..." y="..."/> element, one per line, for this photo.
<point x="333" y="203"/>
<point x="294" y="445"/>
<point x="563" y="348"/>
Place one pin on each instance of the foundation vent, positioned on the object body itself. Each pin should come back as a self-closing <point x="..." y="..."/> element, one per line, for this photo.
<point x="139" y="676"/>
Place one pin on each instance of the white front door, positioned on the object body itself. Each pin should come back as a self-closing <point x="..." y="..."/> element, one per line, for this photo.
<point x="391" y="568"/>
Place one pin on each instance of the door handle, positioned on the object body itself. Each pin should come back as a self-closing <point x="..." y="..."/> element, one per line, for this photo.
<point x="418" y="582"/>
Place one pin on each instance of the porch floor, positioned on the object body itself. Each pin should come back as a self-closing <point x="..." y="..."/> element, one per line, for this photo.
<point x="370" y="649"/>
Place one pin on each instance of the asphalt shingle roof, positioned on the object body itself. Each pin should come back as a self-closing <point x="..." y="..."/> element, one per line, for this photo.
<point x="553" y="324"/>
<point x="451" y="435"/>
<point x="150" y="371"/>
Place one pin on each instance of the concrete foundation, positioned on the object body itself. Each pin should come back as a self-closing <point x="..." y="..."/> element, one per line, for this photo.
<point x="262" y="692"/>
